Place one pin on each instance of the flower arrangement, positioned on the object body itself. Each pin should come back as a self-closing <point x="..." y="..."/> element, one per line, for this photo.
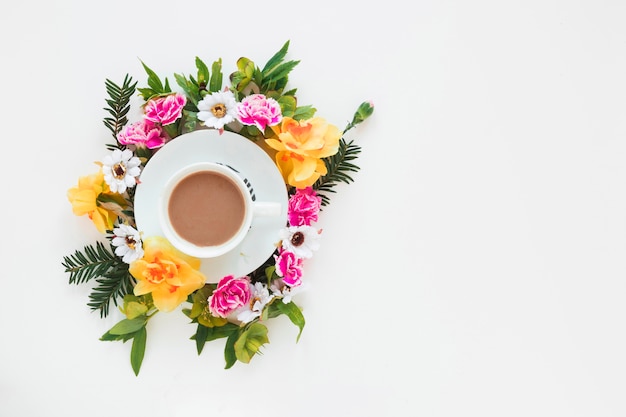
<point x="144" y="275"/>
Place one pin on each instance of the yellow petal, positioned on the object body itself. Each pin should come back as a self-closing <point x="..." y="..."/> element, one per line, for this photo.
<point x="166" y="299"/>
<point x="165" y="272"/>
<point x="83" y="201"/>
<point x="275" y="144"/>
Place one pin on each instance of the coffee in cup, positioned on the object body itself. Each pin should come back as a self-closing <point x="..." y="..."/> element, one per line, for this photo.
<point x="207" y="209"/>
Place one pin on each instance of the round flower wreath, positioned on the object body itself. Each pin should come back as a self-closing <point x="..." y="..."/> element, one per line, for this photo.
<point x="143" y="275"/>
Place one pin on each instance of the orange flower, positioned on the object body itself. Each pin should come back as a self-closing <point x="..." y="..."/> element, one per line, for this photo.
<point x="84" y="199"/>
<point x="167" y="273"/>
<point x="301" y="145"/>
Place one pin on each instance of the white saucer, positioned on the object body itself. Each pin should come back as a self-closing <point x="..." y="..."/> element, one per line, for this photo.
<point x="239" y="153"/>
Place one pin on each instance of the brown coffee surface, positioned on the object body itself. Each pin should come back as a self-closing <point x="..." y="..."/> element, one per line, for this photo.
<point x="206" y="208"/>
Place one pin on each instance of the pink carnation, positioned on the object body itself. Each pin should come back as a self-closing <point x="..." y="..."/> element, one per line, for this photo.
<point x="165" y="110"/>
<point x="289" y="267"/>
<point x="260" y="111"/>
<point x="142" y="134"/>
<point x="231" y="294"/>
<point x="303" y="207"/>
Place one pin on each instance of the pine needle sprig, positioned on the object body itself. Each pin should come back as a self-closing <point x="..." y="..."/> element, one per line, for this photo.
<point x="91" y="263"/>
<point x="339" y="167"/>
<point x="106" y="269"/>
<point x="118" y="106"/>
<point x="114" y="285"/>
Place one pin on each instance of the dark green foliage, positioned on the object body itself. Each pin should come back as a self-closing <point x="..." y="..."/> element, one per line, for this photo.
<point x="155" y="87"/>
<point x="118" y="106"/>
<point x="339" y="167"/>
<point x="114" y="285"/>
<point x="91" y="263"/>
<point x="106" y="269"/>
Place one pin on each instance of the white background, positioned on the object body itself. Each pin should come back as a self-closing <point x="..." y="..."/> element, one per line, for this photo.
<point x="475" y="267"/>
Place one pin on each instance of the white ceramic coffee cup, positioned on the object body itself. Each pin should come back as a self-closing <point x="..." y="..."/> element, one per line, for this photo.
<point x="251" y="210"/>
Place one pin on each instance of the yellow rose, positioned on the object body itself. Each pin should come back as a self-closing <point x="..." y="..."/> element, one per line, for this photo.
<point x="167" y="273"/>
<point x="301" y="145"/>
<point x="84" y="200"/>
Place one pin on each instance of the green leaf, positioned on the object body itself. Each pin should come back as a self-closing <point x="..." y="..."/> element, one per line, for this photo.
<point x="154" y="82"/>
<point x="216" y="76"/>
<point x="241" y="78"/>
<point x="279" y="73"/>
<point x="108" y="337"/>
<point x="188" y="88"/>
<point x="138" y="350"/>
<point x="287" y="105"/>
<point x="270" y="271"/>
<point x="147" y="93"/>
<point x="295" y="315"/>
<point x="196" y="310"/>
<point x="127" y="326"/>
<point x="134" y="310"/>
<point x="304" y="113"/>
<point x="201" y="337"/>
<point x="229" y="350"/>
<point x="276" y="59"/>
<point x="203" y="72"/>
<point x="250" y="341"/>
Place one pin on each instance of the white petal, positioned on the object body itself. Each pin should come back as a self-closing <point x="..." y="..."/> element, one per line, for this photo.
<point x="107" y="160"/>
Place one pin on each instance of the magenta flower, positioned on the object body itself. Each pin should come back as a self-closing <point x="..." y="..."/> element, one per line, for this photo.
<point x="230" y="295"/>
<point x="260" y="111"/>
<point x="303" y="207"/>
<point x="142" y="134"/>
<point x="165" y="110"/>
<point x="289" y="267"/>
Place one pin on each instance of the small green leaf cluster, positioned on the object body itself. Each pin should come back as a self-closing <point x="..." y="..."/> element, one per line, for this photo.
<point x="271" y="81"/>
<point x="242" y="341"/>
<point x="138" y="311"/>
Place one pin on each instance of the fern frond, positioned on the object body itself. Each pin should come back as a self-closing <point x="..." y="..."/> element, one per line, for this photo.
<point x="118" y="106"/>
<point x="338" y="166"/>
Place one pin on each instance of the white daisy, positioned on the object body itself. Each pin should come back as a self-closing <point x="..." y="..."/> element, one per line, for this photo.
<point x="301" y="240"/>
<point x="128" y="244"/>
<point x="260" y="297"/>
<point x="217" y="109"/>
<point x="285" y="292"/>
<point x="120" y="170"/>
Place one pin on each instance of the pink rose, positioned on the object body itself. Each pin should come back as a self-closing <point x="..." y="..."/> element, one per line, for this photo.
<point x="165" y="110"/>
<point x="142" y="134"/>
<point x="289" y="267"/>
<point x="303" y="207"/>
<point x="259" y="111"/>
<point x="231" y="294"/>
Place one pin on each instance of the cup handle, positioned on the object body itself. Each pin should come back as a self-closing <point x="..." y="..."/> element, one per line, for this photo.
<point x="266" y="209"/>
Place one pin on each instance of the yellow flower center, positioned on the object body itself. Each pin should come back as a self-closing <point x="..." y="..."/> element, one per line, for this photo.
<point x="160" y="271"/>
<point x="219" y="110"/>
<point x="119" y="170"/>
